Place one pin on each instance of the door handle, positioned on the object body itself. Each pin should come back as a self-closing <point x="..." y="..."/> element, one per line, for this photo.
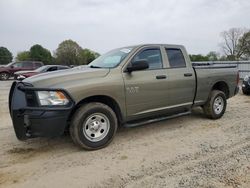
<point x="188" y="74"/>
<point x="161" y="77"/>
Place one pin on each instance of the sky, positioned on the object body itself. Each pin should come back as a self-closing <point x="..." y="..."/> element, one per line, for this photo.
<point x="102" y="25"/>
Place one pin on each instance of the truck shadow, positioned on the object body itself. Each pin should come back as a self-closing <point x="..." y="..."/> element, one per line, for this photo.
<point x="22" y="152"/>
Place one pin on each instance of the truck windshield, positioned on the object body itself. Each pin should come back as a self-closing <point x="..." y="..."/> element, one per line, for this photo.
<point x="110" y="59"/>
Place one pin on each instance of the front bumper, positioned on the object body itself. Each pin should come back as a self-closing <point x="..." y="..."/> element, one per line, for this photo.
<point x="36" y="121"/>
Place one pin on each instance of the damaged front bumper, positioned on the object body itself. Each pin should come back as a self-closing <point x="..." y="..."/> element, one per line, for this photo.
<point x="31" y="120"/>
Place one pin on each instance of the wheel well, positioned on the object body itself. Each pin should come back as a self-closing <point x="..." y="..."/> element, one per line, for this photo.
<point x="102" y="99"/>
<point x="222" y="86"/>
<point x="5" y="72"/>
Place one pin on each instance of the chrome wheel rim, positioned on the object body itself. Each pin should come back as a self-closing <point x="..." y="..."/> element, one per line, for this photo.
<point x="4" y="76"/>
<point x="218" y="105"/>
<point x="96" y="127"/>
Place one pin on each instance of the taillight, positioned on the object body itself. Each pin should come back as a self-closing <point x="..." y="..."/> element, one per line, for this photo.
<point x="238" y="78"/>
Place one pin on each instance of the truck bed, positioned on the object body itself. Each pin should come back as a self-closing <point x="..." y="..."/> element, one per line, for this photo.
<point x="206" y="76"/>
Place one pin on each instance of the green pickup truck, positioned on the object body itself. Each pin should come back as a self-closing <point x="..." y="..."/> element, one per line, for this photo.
<point x="127" y="86"/>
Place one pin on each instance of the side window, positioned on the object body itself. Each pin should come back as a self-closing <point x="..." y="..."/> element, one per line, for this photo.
<point x="52" y="69"/>
<point x="17" y="65"/>
<point x="27" y="65"/>
<point x="175" y="58"/>
<point x="153" y="56"/>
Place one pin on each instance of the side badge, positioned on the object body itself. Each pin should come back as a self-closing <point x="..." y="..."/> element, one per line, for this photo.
<point x="133" y="90"/>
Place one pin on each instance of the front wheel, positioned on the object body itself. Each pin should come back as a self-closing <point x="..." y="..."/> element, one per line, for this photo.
<point x="93" y="126"/>
<point x="216" y="105"/>
<point x="4" y="76"/>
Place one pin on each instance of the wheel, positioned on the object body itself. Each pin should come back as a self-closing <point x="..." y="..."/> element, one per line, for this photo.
<point x="216" y="105"/>
<point x="4" y="76"/>
<point x="93" y="126"/>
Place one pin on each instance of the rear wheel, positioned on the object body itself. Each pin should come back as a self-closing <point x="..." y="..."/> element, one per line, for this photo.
<point x="93" y="126"/>
<point x="4" y="76"/>
<point x="216" y="105"/>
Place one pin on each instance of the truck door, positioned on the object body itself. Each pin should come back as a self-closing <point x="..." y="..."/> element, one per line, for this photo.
<point x="146" y="89"/>
<point x="180" y="79"/>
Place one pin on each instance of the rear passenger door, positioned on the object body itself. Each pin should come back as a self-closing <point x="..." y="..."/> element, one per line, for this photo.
<point x="181" y="79"/>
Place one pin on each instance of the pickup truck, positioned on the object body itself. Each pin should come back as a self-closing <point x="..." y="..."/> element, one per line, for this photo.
<point x="128" y="87"/>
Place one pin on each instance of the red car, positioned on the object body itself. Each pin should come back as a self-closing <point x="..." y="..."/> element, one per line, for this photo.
<point x="20" y="75"/>
<point x="8" y="70"/>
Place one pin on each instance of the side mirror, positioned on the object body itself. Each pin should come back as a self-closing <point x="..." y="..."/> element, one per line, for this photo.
<point x="138" y="65"/>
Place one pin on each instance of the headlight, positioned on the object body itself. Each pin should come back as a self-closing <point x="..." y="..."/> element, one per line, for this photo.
<point x="21" y="77"/>
<point x="246" y="78"/>
<point x="48" y="98"/>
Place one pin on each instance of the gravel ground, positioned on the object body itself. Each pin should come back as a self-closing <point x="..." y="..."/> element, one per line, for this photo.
<point x="189" y="151"/>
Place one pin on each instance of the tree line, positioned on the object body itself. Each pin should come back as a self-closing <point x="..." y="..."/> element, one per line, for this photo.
<point x="235" y="46"/>
<point x="67" y="53"/>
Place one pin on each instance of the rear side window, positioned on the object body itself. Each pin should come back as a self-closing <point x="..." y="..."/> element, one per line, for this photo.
<point x="27" y="65"/>
<point x="175" y="58"/>
<point x="153" y="56"/>
<point x="52" y="69"/>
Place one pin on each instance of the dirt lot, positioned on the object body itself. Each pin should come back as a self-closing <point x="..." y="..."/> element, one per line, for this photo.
<point x="190" y="151"/>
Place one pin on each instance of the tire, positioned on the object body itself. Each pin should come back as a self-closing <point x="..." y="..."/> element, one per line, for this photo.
<point x="4" y="76"/>
<point x="216" y="105"/>
<point x="93" y="126"/>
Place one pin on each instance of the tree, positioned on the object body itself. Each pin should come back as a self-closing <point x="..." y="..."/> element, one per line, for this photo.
<point x="213" y="56"/>
<point x="244" y="44"/>
<point x="38" y="53"/>
<point x="5" y="56"/>
<point x="88" y="56"/>
<point x="23" y="56"/>
<point x="231" y="46"/>
<point x="68" y="53"/>
<point x="198" y="57"/>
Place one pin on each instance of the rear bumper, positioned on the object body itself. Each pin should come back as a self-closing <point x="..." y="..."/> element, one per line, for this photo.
<point x="30" y="122"/>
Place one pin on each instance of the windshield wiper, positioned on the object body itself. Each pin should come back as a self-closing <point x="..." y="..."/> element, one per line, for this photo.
<point x="93" y="66"/>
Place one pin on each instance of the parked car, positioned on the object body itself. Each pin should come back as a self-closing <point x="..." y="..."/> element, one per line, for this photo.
<point x="20" y="75"/>
<point x="8" y="70"/>
<point x="246" y="85"/>
<point x="127" y="86"/>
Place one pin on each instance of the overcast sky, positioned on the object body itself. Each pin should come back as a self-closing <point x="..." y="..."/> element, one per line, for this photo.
<point x="105" y="24"/>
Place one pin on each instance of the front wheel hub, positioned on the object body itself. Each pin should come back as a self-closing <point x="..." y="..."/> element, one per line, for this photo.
<point x="96" y="127"/>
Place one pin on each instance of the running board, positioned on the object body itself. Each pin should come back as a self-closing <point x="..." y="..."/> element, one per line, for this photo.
<point x="155" y="120"/>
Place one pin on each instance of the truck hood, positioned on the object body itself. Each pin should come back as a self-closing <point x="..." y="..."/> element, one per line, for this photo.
<point x="59" y="78"/>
